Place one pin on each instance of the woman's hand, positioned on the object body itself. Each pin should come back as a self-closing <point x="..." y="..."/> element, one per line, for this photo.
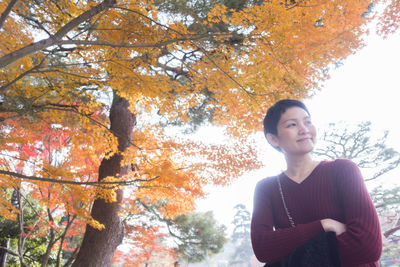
<point x="331" y="225"/>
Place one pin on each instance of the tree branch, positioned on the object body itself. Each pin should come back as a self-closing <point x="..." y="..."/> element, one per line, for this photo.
<point x="22" y="236"/>
<point x="61" y="107"/>
<point x="393" y="230"/>
<point x="22" y="75"/>
<point x="69" y="74"/>
<point x="106" y="185"/>
<point x="62" y="237"/>
<point x="383" y="171"/>
<point x="51" y="242"/>
<point x="9" y="251"/>
<point x="176" y="70"/>
<point x="54" y="39"/>
<point x="6" y="12"/>
<point x="72" y="258"/>
<point x="205" y="52"/>
<point x="126" y="45"/>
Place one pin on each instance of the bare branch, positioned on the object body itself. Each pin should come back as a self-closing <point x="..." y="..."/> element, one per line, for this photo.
<point x="393" y="230"/>
<point x="384" y="170"/>
<point x="37" y="23"/>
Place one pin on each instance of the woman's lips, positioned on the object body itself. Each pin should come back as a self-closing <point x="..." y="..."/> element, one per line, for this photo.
<point x="304" y="139"/>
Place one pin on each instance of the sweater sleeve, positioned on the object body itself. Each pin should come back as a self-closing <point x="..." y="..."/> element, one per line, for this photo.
<point x="271" y="245"/>
<point x="362" y="241"/>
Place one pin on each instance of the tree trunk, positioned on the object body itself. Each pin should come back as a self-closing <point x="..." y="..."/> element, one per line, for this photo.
<point x="98" y="247"/>
<point x="3" y="253"/>
<point x="46" y="256"/>
<point x="50" y="244"/>
<point x="4" y="243"/>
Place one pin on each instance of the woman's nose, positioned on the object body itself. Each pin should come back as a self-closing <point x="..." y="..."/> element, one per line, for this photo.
<point x="303" y="128"/>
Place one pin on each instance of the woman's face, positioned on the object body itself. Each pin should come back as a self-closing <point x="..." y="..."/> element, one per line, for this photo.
<point x="296" y="133"/>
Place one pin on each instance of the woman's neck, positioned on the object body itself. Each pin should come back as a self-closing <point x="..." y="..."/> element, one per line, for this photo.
<point x="299" y="168"/>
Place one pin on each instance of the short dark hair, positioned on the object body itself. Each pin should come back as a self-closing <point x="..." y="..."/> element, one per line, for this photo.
<point x="275" y="112"/>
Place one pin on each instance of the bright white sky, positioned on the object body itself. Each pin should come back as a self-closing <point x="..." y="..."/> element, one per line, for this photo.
<point x="365" y="88"/>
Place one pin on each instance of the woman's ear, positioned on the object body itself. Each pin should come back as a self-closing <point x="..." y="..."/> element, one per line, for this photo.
<point x="272" y="139"/>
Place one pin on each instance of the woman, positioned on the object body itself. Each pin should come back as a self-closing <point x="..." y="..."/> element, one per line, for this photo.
<point x="327" y="196"/>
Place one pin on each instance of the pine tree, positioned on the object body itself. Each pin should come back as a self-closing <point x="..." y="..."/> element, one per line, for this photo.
<point x="241" y="236"/>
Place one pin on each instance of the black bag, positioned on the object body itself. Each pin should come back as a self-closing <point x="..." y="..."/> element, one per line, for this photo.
<point x="321" y="251"/>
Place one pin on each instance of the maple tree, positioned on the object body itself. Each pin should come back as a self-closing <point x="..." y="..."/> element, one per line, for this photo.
<point x="389" y="18"/>
<point x="89" y="88"/>
<point x="30" y="232"/>
<point x="144" y="242"/>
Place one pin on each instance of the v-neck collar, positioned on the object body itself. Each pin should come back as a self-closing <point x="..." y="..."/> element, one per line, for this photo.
<point x="283" y="174"/>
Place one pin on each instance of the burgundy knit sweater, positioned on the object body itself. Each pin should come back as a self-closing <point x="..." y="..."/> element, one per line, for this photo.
<point x="334" y="189"/>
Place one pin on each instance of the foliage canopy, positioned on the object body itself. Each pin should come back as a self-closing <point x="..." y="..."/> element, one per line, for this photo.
<point x="63" y="64"/>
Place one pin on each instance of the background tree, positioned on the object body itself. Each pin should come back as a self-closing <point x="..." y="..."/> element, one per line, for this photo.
<point x="31" y="241"/>
<point x="241" y="236"/>
<point x="110" y="75"/>
<point x="369" y="150"/>
<point x="45" y="232"/>
<point x="8" y="227"/>
<point x="387" y="202"/>
<point x="198" y="236"/>
<point x="360" y="144"/>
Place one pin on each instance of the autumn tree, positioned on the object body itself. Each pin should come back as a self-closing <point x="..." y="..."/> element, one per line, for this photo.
<point x="45" y="223"/>
<point x="8" y="228"/>
<point x="39" y="236"/>
<point x="389" y="18"/>
<point x="145" y="244"/>
<point x="112" y="76"/>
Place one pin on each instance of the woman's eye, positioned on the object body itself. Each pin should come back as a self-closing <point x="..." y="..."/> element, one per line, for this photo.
<point x="291" y="125"/>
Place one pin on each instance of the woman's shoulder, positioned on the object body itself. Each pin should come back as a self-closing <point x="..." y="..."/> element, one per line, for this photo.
<point x="266" y="187"/>
<point x="345" y="166"/>
<point x="267" y="183"/>
<point x="343" y="170"/>
<point x="344" y="162"/>
<point x="339" y="164"/>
